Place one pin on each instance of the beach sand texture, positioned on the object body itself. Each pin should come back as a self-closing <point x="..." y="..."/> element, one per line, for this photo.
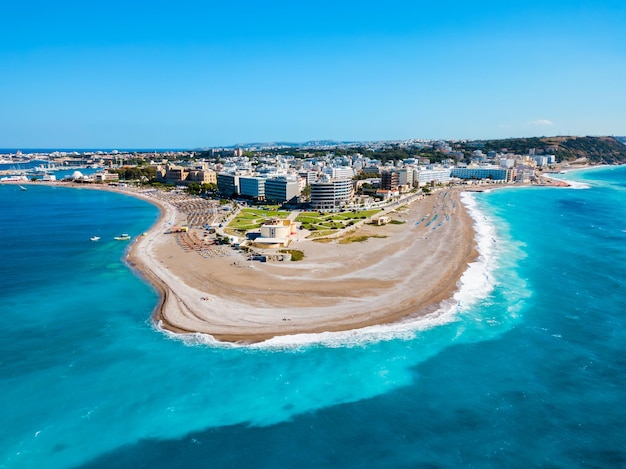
<point x="404" y="270"/>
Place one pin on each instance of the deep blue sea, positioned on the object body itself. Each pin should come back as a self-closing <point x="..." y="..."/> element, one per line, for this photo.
<point x="526" y="369"/>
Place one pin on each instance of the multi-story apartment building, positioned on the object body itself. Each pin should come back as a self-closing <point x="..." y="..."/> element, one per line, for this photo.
<point x="251" y="186"/>
<point x="494" y="173"/>
<point x="405" y="177"/>
<point x="175" y="174"/>
<point x="389" y="180"/>
<point x="342" y="172"/>
<point x="310" y="176"/>
<point x="204" y="176"/>
<point x="330" y="194"/>
<point x="227" y="184"/>
<point x="281" y="189"/>
<point x="426" y="176"/>
<point x="180" y="175"/>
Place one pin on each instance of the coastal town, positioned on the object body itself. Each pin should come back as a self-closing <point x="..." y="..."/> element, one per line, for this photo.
<point x="237" y="223"/>
<point x="329" y="177"/>
<point x="258" y="242"/>
<point x="273" y="235"/>
<point x="331" y="188"/>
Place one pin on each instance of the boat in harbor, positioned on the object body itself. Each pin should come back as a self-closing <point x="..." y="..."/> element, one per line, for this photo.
<point x="14" y="178"/>
<point x="94" y="238"/>
<point x="122" y="237"/>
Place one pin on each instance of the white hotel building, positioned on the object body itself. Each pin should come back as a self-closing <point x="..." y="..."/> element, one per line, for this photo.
<point x="426" y="176"/>
<point x="330" y="194"/>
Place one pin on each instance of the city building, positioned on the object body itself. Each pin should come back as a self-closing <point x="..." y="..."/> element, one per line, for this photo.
<point x="179" y="175"/>
<point x="281" y="189"/>
<point x="251" y="186"/>
<point x="343" y="172"/>
<point x="330" y="194"/>
<point x="405" y="177"/>
<point x="428" y="176"/>
<point x="175" y="174"/>
<point x="389" y="180"/>
<point x="274" y="233"/>
<point x="309" y="176"/>
<point x="494" y="173"/>
<point x="203" y="176"/>
<point x="227" y="184"/>
<point x="105" y="176"/>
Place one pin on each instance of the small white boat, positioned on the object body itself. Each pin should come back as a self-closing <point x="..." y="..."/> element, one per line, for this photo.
<point x="94" y="238"/>
<point x="122" y="237"/>
<point x="22" y="187"/>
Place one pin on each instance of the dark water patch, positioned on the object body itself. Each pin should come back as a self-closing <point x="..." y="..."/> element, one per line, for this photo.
<point x="518" y="400"/>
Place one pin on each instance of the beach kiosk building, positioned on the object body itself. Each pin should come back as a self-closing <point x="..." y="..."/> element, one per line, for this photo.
<point x="275" y="233"/>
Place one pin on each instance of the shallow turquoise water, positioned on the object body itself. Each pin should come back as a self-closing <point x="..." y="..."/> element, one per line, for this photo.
<point x="527" y="369"/>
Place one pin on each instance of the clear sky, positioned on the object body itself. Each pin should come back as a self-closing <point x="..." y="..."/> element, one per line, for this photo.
<point x="187" y="74"/>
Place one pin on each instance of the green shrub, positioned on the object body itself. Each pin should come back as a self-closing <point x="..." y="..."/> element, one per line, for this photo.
<point x="296" y="255"/>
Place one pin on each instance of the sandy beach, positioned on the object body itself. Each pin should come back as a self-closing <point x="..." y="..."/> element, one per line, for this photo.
<point x="401" y="271"/>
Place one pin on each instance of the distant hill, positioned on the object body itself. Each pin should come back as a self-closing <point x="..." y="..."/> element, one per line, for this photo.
<point x="596" y="149"/>
<point x="310" y="143"/>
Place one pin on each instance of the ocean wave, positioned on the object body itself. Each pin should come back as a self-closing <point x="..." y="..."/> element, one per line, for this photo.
<point x="572" y="184"/>
<point x="476" y="283"/>
<point x="576" y="184"/>
<point x="404" y="330"/>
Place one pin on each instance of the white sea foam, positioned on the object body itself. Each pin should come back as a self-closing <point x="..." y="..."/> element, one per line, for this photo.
<point x="572" y="184"/>
<point x="475" y="284"/>
<point x="477" y="281"/>
<point x="404" y="330"/>
<point x="576" y="184"/>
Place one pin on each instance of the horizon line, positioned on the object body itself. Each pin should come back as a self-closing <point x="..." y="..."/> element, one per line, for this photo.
<point x="288" y="143"/>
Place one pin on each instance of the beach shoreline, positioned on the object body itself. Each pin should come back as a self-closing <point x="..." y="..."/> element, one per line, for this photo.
<point x="402" y="272"/>
<point x="405" y="270"/>
<point x="237" y="301"/>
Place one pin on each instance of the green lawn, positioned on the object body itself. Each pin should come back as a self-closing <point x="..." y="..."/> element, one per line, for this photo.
<point x="296" y="255"/>
<point x="320" y="224"/>
<point x="302" y="219"/>
<point x="253" y="218"/>
<point x="315" y="217"/>
<point x="331" y="221"/>
<point x="244" y="226"/>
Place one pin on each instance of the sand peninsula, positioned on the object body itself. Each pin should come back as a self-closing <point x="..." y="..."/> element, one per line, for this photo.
<point x="401" y="270"/>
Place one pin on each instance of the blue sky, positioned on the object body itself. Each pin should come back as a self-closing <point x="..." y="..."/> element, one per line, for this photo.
<point x="190" y="74"/>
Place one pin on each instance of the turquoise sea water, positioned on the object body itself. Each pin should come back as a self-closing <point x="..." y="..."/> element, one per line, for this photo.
<point x="526" y="368"/>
